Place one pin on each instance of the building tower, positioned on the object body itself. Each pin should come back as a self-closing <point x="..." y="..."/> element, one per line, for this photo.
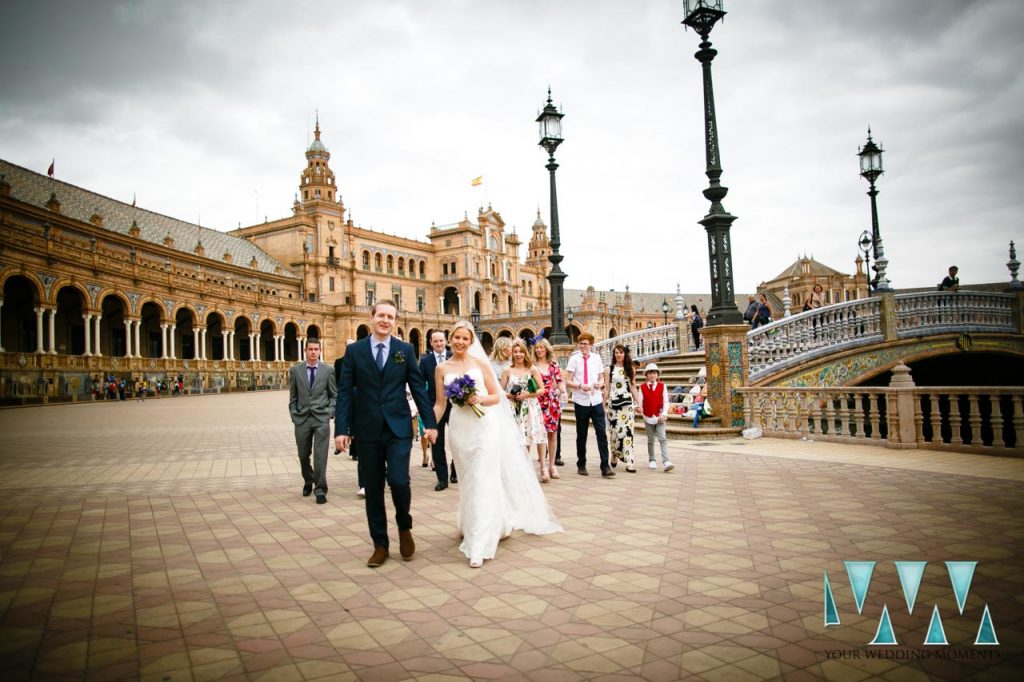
<point x="317" y="180"/>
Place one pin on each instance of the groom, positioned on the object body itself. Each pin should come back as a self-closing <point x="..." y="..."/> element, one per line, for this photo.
<point x="378" y="368"/>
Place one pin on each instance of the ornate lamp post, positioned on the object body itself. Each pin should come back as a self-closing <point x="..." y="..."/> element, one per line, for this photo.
<point x="870" y="168"/>
<point x="701" y="16"/>
<point x="864" y="244"/>
<point x="550" y="121"/>
<point x="664" y="309"/>
<point x="571" y="316"/>
<point x="474" y="317"/>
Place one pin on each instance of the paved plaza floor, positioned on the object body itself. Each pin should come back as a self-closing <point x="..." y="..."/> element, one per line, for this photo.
<point x="168" y="540"/>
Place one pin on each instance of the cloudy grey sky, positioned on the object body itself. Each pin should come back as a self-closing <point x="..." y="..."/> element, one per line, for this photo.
<point x="204" y="110"/>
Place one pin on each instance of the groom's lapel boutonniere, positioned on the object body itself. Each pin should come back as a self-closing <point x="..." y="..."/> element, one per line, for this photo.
<point x="399" y="358"/>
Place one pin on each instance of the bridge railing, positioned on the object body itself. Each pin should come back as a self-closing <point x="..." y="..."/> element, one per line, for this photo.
<point x="975" y="419"/>
<point x="796" y="339"/>
<point x="647" y="344"/>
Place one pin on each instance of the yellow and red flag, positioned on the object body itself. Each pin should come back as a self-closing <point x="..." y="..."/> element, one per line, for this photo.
<point x="479" y="180"/>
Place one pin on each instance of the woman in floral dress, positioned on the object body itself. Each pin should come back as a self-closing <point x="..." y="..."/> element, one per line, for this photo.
<point x="550" y="401"/>
<point x="525" y="406"/>
<point x="620" y="395"/>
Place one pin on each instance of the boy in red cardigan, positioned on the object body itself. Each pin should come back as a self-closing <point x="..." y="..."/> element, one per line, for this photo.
<point x="654" y="405"/>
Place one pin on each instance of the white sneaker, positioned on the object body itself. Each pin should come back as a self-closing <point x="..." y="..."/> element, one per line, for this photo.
<point x="652" y="464"/>
<point x="362" y="493"/>
<point x="669" y="466"/>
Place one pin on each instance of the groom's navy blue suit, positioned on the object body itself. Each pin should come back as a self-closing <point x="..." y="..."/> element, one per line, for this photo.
<point x="381" y="423"/>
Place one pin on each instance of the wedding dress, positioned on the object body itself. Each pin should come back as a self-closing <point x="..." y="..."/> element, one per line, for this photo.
<point x="498" y="488"/>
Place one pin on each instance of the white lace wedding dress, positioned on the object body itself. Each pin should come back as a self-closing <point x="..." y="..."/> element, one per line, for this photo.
<point x="498" y="488"/>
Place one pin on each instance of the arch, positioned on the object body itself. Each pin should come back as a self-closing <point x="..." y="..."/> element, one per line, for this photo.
<point x="416" y="341"/>
<point x="291" y="345"/>
<point x="378" y="262"/>
<point x="21" y="297"/>
<point x="114" y="309"/>
<point x="511" y="305"/>
<point x="487" y="341"/>
<point x="366" y="260"/>
<point x="546" y="331"/>
<point x="268" y="344"/>
<point x="185" y="321"/>
<point x="506" y="332"/>
<point x="64" y="283"/>
<point x="477" y="307"/>
<point x="423" y="269"/>
<point x="526" y="333"/>
<point x="215" y="341"/>
<point x="573" y="332"/>
<point x="70" y="302"/>
<point x="362" y="332"/>
<point x="390" y="262"/>
<point x="494" y="270"/>
<point x="401" y="266"/>
<point x="151" y="337"/>
<point x="313" y="330"/>
<point x="451" y="302"/>
<point x="242" y="328"/>
<point x="612" y="333"/>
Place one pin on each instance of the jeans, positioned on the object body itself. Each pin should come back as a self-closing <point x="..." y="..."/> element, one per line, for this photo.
<point x="656" y="431"/>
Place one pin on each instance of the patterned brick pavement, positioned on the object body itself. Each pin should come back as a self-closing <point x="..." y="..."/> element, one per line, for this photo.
<point x="168" y="540"/>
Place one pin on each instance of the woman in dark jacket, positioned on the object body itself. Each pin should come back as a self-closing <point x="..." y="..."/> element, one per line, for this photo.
<point x="696" y="322"/>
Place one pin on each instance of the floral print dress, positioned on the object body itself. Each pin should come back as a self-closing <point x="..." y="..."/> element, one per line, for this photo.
<point x="527" y="413"/>
<point x="550" y="402"/>
<point x="620" y="418"/>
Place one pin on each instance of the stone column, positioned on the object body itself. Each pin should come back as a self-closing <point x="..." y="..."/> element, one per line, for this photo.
<point x="195" y="343"/>
<point x="1" y="326"/>
<point x="229" y="351"/>
<point x="163" y="341"/>
<point x="138" y="346"/>
<point x="53" y="329"/>
<point x="88" y="333"/>
<point x="202" y="342"/>
<point x="298" y="347"/>
<point x="173" y="332"/>
<point x="39" y="329"/>
<point x="128" y="339"/>
<point x="900" y="404"/>
<point x="725" y="352"/>
<point x="99" y="347"/>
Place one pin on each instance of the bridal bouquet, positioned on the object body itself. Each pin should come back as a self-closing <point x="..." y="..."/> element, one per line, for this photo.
<point x="459" y="390"/>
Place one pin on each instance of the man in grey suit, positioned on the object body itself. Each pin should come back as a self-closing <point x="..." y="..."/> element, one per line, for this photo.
<point x="311" y="395"/>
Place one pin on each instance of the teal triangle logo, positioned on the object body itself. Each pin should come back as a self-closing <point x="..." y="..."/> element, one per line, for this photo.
<point x="986" y="631"/>
<point x="910" y="573"/>
<point x="960" y="574"/>
<point x="831" y="614"/>
<point x="860" y="577"/>
<point x="884" y="636"/>
<point x="936" y="634"/>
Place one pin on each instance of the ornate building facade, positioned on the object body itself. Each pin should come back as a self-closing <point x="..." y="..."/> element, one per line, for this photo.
<point x="94" y="287"/>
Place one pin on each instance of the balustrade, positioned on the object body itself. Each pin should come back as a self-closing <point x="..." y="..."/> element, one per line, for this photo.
<point x="646" y="344"/>
<point x="977" y="419"/>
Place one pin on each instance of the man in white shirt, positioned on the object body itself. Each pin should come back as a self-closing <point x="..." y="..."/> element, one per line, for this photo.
<point x="585" y="378"/>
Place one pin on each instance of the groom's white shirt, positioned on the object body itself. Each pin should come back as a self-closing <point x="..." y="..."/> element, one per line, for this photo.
<point x="374" y="341"/>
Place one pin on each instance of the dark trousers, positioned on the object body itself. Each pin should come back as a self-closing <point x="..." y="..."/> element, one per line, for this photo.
<point x="584" y="415"/>
<point x="380" y="460"/>
<point x="311" y="436"/>
<point x="437" y="449"/>
<point x="558" y="443"/>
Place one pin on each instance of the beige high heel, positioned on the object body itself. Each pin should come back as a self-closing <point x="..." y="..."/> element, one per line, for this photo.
<point x="544" y="469"/>
<point x="554" y="472"/>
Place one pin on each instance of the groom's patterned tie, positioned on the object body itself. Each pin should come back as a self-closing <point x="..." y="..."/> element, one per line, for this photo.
<point x="380" y="356"/>
<point x="312" y="376"/>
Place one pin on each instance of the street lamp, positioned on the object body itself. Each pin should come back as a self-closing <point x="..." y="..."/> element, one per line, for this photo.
<point x="701" y="16"/>
<point x="474" y="317"/>
<point x="864" y="244"/>
<point x="870" y="168"/>
<point x="664" y="309"/>
<point x="571" y="317"/>
<point x="550" y="121"/>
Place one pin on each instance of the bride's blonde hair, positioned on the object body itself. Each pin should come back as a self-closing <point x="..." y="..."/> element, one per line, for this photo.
<point x="462" y="324"/>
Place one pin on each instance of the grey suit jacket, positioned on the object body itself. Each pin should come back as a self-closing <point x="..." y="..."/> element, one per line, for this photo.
<point x="314" y="402"/>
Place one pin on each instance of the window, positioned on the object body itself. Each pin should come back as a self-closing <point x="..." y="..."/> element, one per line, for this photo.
<point x="371" y="294"/>
<point x="453" y="268"/>
<point x="423" y="269"/>
<point x="396" y="296"/>
<point x="391" y="265"/>
<point x="444" y="269"/>
<point x="330" y="283"/>
<point x="330" y="253"/>
<point x="366" y="260"/>
<point x="377" y="260"/>
<point x="421" y="301"/>
<point x="401" y="267"/>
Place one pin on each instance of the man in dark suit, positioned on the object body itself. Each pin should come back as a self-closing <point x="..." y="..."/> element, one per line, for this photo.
<point x="428" y="363"/>
<point x="311" y="395"/>
<point x="379" y="367"/>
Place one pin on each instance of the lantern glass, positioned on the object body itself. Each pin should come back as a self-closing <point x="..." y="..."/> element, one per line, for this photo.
<point x="550" y="126"/>
<point x="694" y="5"/>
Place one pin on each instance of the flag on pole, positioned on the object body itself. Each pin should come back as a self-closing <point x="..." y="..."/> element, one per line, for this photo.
<point x="479" y="180"/>
<point x="49" y="171"/>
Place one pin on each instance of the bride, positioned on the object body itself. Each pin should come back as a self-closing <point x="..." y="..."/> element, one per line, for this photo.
<point x="498" y="488"/>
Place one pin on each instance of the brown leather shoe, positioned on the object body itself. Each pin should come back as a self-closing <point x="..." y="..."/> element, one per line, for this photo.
<point x="406" y="545"/>
<point x="379" y="556"/>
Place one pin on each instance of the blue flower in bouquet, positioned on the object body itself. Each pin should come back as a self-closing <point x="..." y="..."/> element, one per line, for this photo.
<point x="458" y="391"/>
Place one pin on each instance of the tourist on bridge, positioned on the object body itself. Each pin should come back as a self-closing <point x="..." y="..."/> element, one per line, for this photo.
<point x="751" y="312"/>
<point x="951" y="282"/>
<point x="585" y="373"/>
<point x="764" y="312"/>
<point x="620" y="394"/>
<point x="696" y="322"/>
